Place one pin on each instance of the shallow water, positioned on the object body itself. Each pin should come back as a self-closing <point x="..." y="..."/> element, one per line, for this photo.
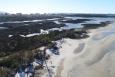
<point x="93" y="20"/>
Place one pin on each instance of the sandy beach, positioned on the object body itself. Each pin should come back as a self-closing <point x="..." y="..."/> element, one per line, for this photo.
<point x="90" y="57"/>
<point x="93" y="57"/>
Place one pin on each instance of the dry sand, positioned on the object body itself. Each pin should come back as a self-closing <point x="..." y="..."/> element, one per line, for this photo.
<point x="96" y="57"/>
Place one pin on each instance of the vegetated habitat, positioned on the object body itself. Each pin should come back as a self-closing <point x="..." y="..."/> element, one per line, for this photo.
<point x="94" y="26"/>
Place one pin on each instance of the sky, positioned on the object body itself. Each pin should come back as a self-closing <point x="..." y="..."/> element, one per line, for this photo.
<point x="58" y="6"/>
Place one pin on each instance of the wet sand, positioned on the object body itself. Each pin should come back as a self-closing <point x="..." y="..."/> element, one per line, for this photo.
<point x="79" y="48"/>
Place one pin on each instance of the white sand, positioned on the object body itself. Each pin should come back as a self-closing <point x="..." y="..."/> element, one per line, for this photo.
<point x="97" y="59"/>
<point x="66" y="52"/>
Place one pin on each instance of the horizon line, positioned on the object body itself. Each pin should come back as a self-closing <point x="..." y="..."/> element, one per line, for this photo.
<point x="54" y="13"/>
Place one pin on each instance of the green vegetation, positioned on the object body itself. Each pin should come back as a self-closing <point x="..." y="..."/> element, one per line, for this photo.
<point x="11" y="63"/>
<point x="17" y="43"/>
<point x="27" y="27"/>
<point x="94" y="26"/>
